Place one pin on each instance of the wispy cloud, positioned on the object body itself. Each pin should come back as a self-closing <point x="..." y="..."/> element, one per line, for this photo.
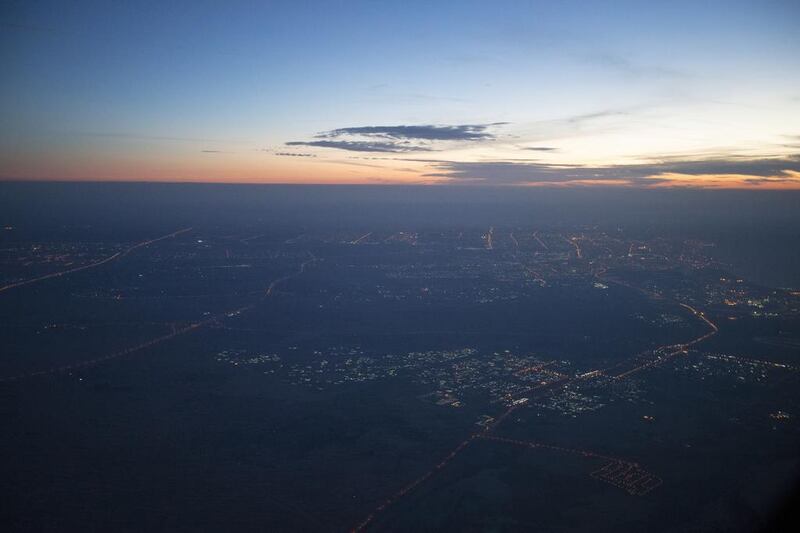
<point x="579" y="124"/>
<point x="382" y="93"/>
<point x="794" y="141"/>
<point x="605" y="113"/>
<point x="399" y="139"/>
<point x="630" y="69"/>
<point x="26" y="27"/>
<point x="294" y="154"/>
<point x="463" y="132"/>
<point x="364" y="146"/>
<point x="143" y="137"/>
<point x="540" y="148"/>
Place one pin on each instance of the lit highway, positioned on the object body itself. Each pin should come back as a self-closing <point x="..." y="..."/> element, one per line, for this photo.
<point x="176" y="332"/>
<point x="95" y="264"/>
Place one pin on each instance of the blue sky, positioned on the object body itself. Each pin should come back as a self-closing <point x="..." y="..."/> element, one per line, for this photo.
<point x="614" y="92"/>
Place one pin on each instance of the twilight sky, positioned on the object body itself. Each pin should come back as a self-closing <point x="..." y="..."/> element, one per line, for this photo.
<point x="561" y="93"/>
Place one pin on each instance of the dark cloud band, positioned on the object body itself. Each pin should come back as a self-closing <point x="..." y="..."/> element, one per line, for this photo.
<point x="509" y="172"/>
<point x="363" y="146"/>
<point x="398" y="139"/>
<point x="463" y="132"/>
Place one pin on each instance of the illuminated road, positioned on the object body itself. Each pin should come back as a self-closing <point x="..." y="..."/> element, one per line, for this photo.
<point x="280" y="280"/>
<point x="163" y="338"/>
<point x="534" y="368"/>
<point x="117" y="255"/>
<point x="749" y="361"/>
<point x="486" y="433"/>
<point x="674" y="349"/>
<point x="411" y="486"/>
<point x="573" y="451"/>
<point x="540" y="241"/>
<point x="450" y="456"/>
<point x="702" y="316"/>
<point x="600" y="274"/>
<point x="535" y="275"/>
<point x="574" y="242"/>
<point x="361" y="238"/>
<point x="488" y="236"/>
<point x="642" y="480"/>
<point x="622" y="473"/>
<point x="120" y="353"/>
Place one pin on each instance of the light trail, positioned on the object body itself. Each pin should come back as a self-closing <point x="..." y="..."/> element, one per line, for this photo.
<point x="749" y="361"/>
<point x="411" y="486"/>
<point x="483" y="434"/>
<point x="540" y="241"/>
<point x="486" y="433"/>
<point x="534" y="368"/>
<point x="677" y="348"/>
<point x="361" y="238"/>
<point x="631" y="478"/>
<point x="535" y="275"/>
<point x="622" y="473"/>
<point x="601" y="273"/>
<point x="573" y="451"/>
<point x="175" y="333"/>
<point x="248" y="239"/>
<point x="278" y="281"/>
<point x="703" y="317"/>
<point x="438" y="467"/>
<point x="95" y="264"/>
<point x="114" y="355"/>
<point x="573" y="242"/>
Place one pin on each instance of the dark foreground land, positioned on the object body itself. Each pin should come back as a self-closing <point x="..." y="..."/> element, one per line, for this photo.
<point x="187" y="358"/>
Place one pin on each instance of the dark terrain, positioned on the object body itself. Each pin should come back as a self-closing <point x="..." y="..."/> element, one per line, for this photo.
<point x="191" y="357"/>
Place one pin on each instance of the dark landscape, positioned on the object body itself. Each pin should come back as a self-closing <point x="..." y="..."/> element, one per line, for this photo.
<point x="192" y="357"/>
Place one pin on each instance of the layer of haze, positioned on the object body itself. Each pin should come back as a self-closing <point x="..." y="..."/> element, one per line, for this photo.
<point x="757" y="234"/>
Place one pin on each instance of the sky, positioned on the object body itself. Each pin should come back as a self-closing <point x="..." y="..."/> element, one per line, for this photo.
<point x="539" y="94"/>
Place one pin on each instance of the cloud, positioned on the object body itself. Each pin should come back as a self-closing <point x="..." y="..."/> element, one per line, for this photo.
<point x="294" y="154"/>
<point x="27" y="27"/>
<point x="464" y="132"/>
<point x="581" y="124"/>
<point x="540" y="148"/>
<point x="140" y="137"/>
<point x="363" y="146"/>
<point x="754" y="171"/>
<point x="794" y="141"/>
<point x="585" y="117"/>
<point x="731" y="165"/>
<point x="399" y="139"/>
<point x="381" y="93"/>
<point x="630" y="69"/>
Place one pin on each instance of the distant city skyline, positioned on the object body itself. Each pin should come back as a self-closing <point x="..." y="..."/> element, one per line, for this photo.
<point x="630" y="94"/>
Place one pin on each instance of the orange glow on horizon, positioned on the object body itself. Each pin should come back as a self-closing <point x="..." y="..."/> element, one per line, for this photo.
<point x="790" y="180"/>
<point x="271" y="169"/>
